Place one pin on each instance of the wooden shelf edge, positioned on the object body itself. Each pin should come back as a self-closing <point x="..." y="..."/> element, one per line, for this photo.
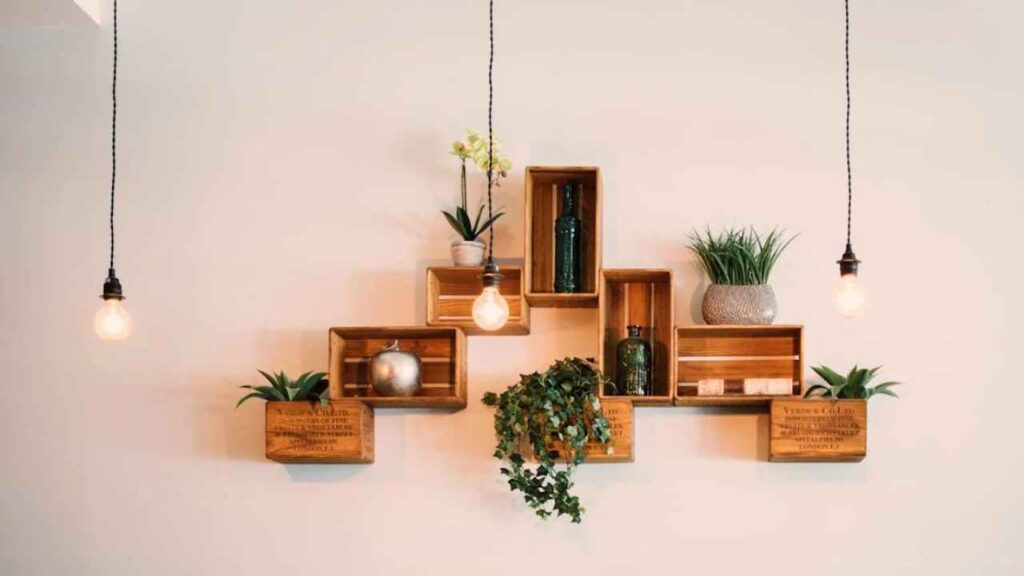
<point x="640" y="401"/>
<point x="816" y="460"/>
<point x="471" y="329"/>
<point x="453" y="403"/>
<point x="556" y="300"/>
<point x="729" y="401"/>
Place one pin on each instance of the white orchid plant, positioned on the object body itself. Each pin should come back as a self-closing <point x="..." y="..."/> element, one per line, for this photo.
<point x="475" y="149"/>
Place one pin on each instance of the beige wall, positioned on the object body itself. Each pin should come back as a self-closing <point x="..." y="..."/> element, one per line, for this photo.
<point x="282" y="166"/>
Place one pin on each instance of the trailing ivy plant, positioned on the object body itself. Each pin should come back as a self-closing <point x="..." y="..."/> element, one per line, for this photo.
<point x="550" y="416"/>
<point x="310" y="386"/>
<point x="853" y="385"/>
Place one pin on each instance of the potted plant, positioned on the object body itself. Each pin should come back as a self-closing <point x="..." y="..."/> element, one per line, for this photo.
<point x="739" y="263"/>
<point x="465" y="248"/>
<point x="303" y="426"/>
<point x="832" y="427"/>
<point x="550" y="416"/>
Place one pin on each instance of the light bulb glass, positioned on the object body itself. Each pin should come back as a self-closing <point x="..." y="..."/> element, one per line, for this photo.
<point x="490" y="310"/>
<point x="112" y="321"/>
<point x="850" y="296"/>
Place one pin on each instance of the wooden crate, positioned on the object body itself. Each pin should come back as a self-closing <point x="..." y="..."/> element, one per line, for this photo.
<point x="452" y="290"/>
<point x="733" y="354"/>
<point x="819" y="430"/>
<point x="543" y="204"/>
<point x="619" y="412"/>
<point x="442" y="350"/>
<point x="306" y="432"/>
<point x="643" y="298"/>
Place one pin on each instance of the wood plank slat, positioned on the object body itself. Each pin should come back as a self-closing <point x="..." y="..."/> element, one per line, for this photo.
<point x="693" y="371"/>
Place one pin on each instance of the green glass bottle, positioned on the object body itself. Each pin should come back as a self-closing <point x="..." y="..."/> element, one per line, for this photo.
<point x="634" y="365"/>
<point x="569" y="242"/>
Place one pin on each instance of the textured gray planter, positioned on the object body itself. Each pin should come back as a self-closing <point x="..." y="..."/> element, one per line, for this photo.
<point x="739" y="304"/>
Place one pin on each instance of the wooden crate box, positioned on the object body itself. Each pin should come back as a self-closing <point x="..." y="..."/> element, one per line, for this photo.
<point x="741" y="365"/>
<point x="819" y="430"/>
<point x="442" y="350"/>
<point x="452" y="290"/>
<point x="643" y="298"/>
<point x="543" y="205"/>
<point x="619" y="412"/>
<point x="306" y="432"/>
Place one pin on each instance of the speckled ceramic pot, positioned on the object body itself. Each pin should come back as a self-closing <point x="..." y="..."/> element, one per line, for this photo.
<point x="725" y="304"/>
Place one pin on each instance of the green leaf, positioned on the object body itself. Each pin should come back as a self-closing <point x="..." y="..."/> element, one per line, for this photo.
<point x="271" y="392"/>
<point x="454" y="223"/>
<point x="815" y="388"/>
<point x="250" y="395"/>
<point x="306" y="384"/>
<point x="828" y="375"/>
<point x="269" y="378"/>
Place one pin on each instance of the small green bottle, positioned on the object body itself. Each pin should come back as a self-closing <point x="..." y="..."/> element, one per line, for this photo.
<point x="569" y="242"/>
<point x="634" y="365"/>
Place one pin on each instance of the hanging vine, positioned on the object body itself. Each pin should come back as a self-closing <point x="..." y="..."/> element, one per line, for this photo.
<point x="550" y="416"/>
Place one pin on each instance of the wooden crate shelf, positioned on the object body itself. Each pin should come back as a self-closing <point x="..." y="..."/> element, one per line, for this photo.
<point x="543" y="204"/>
<point x="643" y="298"/>
<point x="819" y="430"/>
<point x="442" y="350"/>
<point x="306" y="432"/>
<point x="737" y="354"/>
<point x="452" y="290"/>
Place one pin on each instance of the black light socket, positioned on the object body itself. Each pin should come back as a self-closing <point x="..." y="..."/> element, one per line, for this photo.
<point x="848" y="263"/>
<point x="112" y="287"/>
<point x="492" y="275"/>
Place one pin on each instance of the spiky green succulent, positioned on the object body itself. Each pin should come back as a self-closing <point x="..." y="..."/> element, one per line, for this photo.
<point x="854" y="385"/>
<point x="308" y="387"/>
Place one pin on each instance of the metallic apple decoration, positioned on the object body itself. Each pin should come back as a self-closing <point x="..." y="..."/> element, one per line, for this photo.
<point x="394" y="372"/>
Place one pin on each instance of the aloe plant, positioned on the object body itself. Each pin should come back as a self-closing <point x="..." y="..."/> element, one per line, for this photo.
<point x="310" y="386"/>
<point x="854" y="385"/>
<point x="739" y="256"/>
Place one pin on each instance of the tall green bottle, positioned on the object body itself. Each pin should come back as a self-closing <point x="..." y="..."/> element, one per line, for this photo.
<point x="569" y="242"/>
<point x="633" y="369"/>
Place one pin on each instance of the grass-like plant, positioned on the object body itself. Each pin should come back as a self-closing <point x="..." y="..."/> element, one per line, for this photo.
<point x="853" y="385"/>
<point x="310" y="386"/>
<point x="559" y="407"/>
<point x="739" y="256"/>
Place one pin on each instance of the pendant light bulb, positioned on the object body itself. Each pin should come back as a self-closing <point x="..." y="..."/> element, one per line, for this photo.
<point x="490" y="309"/>
<point x="850" y="293"/>
<point x="850" y="297"/>
<point x="112" y="321"/>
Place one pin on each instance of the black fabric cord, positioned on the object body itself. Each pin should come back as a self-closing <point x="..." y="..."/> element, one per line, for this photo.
<point x="849" y="170"/>
<point x="490" y="134"/>
<point x="113" y="142"/>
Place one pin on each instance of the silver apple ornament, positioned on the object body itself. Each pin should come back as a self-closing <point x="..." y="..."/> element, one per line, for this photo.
<point x="394" y="372"/>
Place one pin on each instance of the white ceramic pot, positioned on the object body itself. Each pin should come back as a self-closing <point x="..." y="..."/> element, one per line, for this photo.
<point x="467" y="253"/>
